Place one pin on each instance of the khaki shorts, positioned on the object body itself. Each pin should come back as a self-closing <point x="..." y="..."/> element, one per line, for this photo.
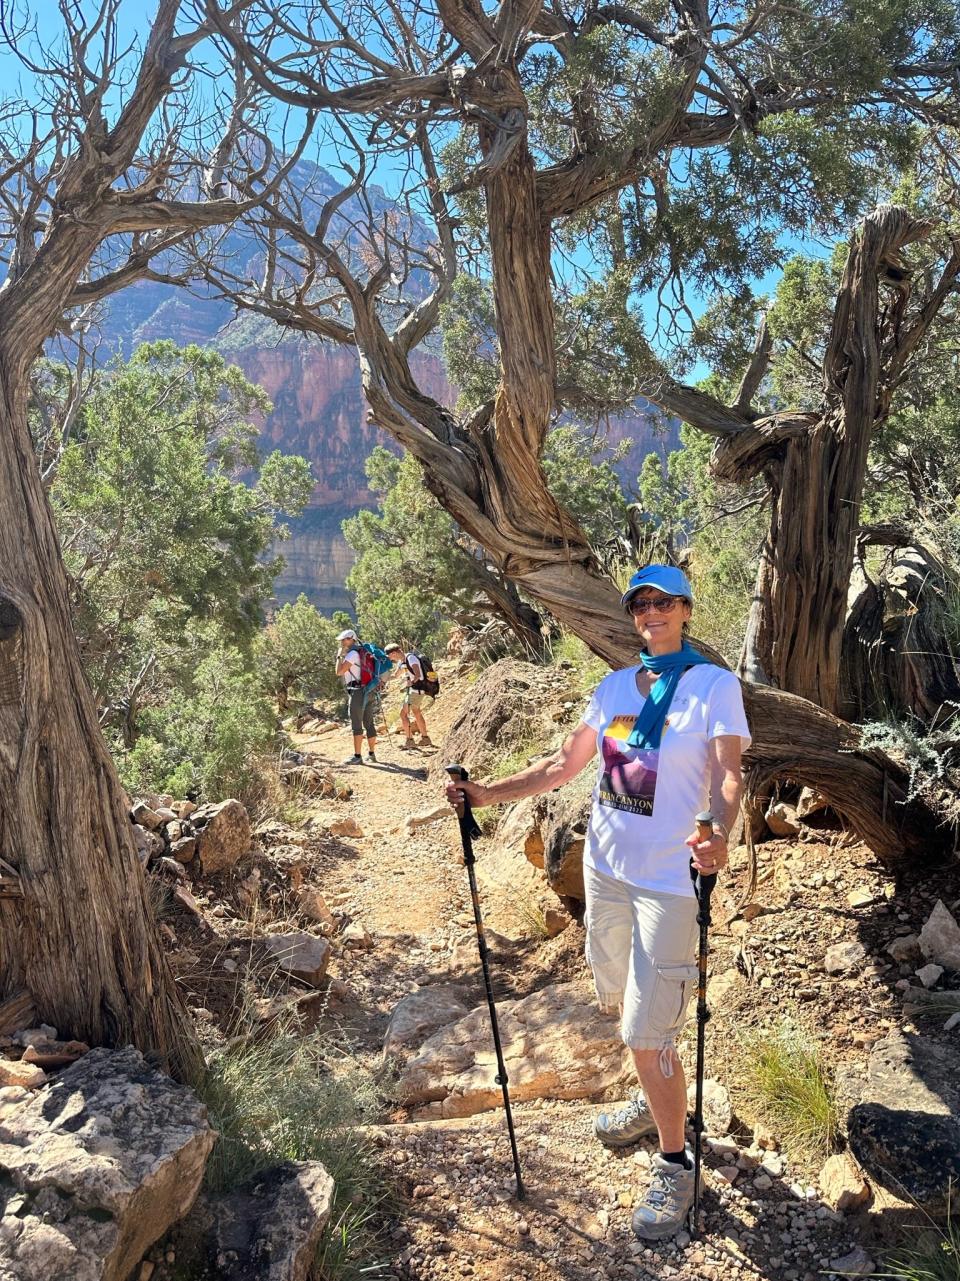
<point x="414" y="698"/>
<point x="641" y="947"/>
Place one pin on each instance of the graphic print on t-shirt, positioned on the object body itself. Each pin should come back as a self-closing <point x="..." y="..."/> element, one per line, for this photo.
<point x="629" y="778"/>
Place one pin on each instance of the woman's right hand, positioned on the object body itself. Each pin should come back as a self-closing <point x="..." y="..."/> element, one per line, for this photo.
<point x="475" y="793"/>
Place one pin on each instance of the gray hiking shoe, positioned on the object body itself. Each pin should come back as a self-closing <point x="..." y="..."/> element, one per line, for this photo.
<point x="624" y="1127"/>
<point x="665" y="1206"/>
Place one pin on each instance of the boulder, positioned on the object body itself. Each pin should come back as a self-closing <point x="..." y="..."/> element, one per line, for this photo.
<point x="905" y="1131"/>
<point x="781" y="819"/>
<point x="810" y="802"/>
<point x="356" y="935"/>
<point x="303" y="956"/>
<point x="555" y="921"/>
<point x="184" y="849"/>
<point x="223" y="835"/>
<point x="841" y="1184"/>
<point x="556" y="1044"/>
<point x="564" y="828"/>
<point x="422" y="1013"/>
<point x="940" y="938"/>
<point x="270" y="1229"/>
<point x="100" y="1163"/>
<point x="841" y="958"/>
<point x="519" y="830"/>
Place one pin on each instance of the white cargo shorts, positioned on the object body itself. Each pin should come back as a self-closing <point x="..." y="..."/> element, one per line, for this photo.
<point x="641" y="947"/>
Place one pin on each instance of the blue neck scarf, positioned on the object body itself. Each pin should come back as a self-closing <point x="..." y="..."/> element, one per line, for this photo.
<point x="648" y="728"/>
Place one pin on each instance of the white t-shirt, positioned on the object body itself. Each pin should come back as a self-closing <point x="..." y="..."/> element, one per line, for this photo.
<point x="644" y="802"/>
<point x="352" y="675"/>
<point x="412" y="669"/>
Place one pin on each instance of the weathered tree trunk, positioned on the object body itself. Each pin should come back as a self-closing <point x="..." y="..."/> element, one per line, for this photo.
<point x="896" y="659"/>
<point x="816" y="470"/>
<point x="78" y="935"/>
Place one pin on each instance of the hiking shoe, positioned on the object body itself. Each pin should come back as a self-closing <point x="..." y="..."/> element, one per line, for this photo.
<point x="408" y="745"/>
<point x="624" y="1127"/>
<point x="356" y="759"/>
<point x="665" y="1206"/>
<point x="372" y="756"/>
<point x="426" y="741"/>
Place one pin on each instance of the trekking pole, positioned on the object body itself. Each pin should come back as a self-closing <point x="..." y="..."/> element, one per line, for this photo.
<point x="702" y="888"/>
<point x="469" y="828"/>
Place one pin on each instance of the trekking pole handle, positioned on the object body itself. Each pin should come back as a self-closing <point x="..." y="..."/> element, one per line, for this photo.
<point x="464" y="810"/>
<point x="703" y="884"/>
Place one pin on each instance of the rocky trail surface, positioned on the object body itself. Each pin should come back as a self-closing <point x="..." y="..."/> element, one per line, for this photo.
<point x="346" y="911"/>
<point x="826" y="931"/>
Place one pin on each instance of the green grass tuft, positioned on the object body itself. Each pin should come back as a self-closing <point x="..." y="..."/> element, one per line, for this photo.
<point x="786" y="1082"/>
<point x="932" y="1254"/>
<point x="279" y="1099"/>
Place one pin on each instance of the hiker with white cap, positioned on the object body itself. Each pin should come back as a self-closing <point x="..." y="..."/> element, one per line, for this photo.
<point x="669" y="734"/>
<point x="362" y="705"/>
<point x="410" y="670"/>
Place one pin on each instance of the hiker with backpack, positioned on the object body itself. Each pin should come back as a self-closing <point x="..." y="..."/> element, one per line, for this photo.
<point x="669" y="734"/>
<point x="362" y="667"/>
<point x="420" y="682"/>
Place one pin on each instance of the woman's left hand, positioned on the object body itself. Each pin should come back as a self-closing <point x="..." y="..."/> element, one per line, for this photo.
<point x="709" y="857"/>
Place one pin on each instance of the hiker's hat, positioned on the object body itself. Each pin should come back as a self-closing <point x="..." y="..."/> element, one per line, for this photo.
<point x="668" y="578"/>
<point x="349" y="634"/>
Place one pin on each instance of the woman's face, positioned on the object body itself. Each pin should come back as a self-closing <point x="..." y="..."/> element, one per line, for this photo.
<point x="660" y="625"/>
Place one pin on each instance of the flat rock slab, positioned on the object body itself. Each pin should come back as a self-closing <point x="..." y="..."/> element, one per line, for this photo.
<point x="422" y="1013"/>
<point x="270" y="1230"/>
<point x="95" y="1167"/>
<point x="556" y="1044"/>
<point x="905" y="1131"/>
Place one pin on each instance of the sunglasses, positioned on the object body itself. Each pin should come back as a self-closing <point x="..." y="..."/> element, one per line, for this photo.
<point x="662" y="604"/>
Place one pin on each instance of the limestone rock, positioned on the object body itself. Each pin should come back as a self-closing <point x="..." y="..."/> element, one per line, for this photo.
<point x="810" y="802"/>
<point x="940" y="938"/>
<point x="414" y="821"/>
<point x="223" y="835"/>
<point x="270" y="1230"/>
<point x="422" y="1013"/>
<point x="95" y="1189"/>
<point x="519" y="830"/>
<point x="840" y="958"/>
<point x="717" y="1110"/>
<point x="345" y="827"/>
<point x="782" y="819"/>
<point x="556" y="1044"/>
<point x="355" y="935"/>
<point x="16" y="1072"/>
<point x="930" y="974"/>
<point x="855" y="1264"/>
<point x="314" y="905"/>
<point x="905" y="1131"/>
<point x="303" y="956"/>
<point x="555" y="921"/>
<point x="146" y="817"/>
<point x="842" y="1185"/>
<point x="905" y="950"/>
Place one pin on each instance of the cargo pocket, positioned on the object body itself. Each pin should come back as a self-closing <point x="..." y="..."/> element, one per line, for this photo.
<point x="672" y="990"/>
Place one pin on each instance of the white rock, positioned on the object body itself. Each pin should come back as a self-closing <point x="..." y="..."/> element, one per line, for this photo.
<point x="929" y="975"/>
<point x="855" y="1264"/>
<point x="556" y="1044"/>
<point x="355" y="935"/>
<point x="940" y="938"/>
<point x="717" y="1109"/>
<point x="952" y="1022"/>
<point x="303" y="956"/>
<point x="122" y="1163"/>
<point x="840" y="958"/>
<point x="782" y="819"/>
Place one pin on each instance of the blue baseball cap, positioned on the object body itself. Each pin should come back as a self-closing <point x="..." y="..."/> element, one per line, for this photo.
<point x="668" y="578"/>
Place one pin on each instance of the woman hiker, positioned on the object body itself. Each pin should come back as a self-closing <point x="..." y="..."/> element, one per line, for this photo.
<point x="679" y="719"/>
<point x="361" y="699"/>
<point x="410" y="671"/>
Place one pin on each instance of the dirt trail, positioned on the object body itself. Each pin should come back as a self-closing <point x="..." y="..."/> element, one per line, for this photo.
<point x="458" y="1217"/>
